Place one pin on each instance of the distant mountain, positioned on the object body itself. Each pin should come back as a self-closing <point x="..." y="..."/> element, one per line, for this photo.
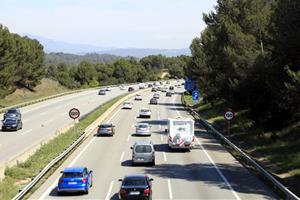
<point x="81" y="49"/>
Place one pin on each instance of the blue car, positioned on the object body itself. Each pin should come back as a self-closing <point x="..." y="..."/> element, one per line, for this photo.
<point x="75" y="179"/>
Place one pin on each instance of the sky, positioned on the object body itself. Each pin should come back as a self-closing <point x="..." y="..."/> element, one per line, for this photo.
<point x="165" y="24"/>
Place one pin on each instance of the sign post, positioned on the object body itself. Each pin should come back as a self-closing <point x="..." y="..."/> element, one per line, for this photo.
<point x="228" y="115"/>
<point x="74" y="113"/>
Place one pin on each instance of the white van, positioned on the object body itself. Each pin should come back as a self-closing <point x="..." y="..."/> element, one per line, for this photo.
<point x="181" y="133"/>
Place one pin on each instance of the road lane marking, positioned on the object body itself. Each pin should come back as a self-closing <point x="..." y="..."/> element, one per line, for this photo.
<point x="161" y="138"/>
<point x="47" y="192"/>
<point x="179" y="115"/>
<point x="219" y="171"/>
<point x="109" y="190"/>
<point x="170" y="189"/>
<point x="113" y="115"/>
<point x="214" y="164"/>
<point x="122" y="156"/>
<point x="159" y="126"/>
<point x="128" y="138"/>
<point x="165" y="156"/>
<point x="25" y="132"/>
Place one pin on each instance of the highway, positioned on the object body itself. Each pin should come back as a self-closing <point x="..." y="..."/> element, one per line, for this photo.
<point x="41" y="121"/>
<point x="206" y="172"/>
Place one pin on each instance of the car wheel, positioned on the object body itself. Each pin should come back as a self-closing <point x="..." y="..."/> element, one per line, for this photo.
<point x="153" y="163"/>
<point x="87" y="191"/>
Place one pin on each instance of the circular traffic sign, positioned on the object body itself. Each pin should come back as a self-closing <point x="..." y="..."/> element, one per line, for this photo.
<point x="229" y="115"/>
<point x="74" y="113"/>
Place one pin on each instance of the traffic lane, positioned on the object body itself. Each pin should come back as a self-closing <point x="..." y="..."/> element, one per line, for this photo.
<point x="97" y="156"/>
<point x="244" y="183"/>
<point x="42" y="127"/>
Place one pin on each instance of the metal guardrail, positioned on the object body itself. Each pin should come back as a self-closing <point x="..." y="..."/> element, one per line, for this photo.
<point x="288" y="194"/>
<point x="28" y="187"/>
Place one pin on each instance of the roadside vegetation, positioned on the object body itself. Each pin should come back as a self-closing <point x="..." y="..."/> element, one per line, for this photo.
<point x="280" y="155"/>
<point x="248" y="59"/>
<point x="18" y="176"/>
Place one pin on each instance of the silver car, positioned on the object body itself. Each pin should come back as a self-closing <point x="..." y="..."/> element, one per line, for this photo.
<point x="143" y="129"/>
<point x="143" y="152"/>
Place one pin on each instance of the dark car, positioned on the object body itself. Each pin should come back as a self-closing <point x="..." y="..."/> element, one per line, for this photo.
<point x="102" y="92"/>
<point x="75" y="179"/>
<point x="169" y="94"/>
<point x="12" y="113"/>
<point x="106" y="129"/>
<point x="11" y="124"/>
<point x="153" y="90"/>
<point x="137" y="186"/>
<point x="171" y="88"/>
<point x="130" y="89"/>
<point x="150" y="85"/>
<point x="153" y="101"/>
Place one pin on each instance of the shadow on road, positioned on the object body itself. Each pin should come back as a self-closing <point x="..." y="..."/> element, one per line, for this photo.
<point x="115" y="197"/>
<point x="54" y="193"/>
<point x="238" y="177"/>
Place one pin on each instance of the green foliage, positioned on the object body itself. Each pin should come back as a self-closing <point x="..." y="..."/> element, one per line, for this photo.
<point x="21" y="62"/>
<point x="248" y="56"/>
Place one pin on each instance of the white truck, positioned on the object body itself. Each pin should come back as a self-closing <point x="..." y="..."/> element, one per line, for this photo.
<point x="142" y="85"/>
<point x="181" y="133"/>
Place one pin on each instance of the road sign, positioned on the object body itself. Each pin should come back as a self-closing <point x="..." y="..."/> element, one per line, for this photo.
<point x="229" y="114"/>
<point x="195" y="96"/>
<point x="189" y="84"/>
<point x="74" y="113"/>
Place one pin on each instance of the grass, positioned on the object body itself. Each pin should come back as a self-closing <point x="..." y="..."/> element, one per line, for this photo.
<point x="18" y="176"/>
<point x="280" y="155"/>
<point x="46" y="88"/>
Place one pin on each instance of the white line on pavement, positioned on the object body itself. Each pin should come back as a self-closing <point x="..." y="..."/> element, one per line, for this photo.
<point x="161" y="138"/>
<point x="113" y="115"/>
<point x="70" y="165"/>
<point x="159" y="126"/>
<point x="219" y="171"/>
<point x="25" y="132"/>
<point x="122" y="156"/>
<point x="165" y="156"/>
<point x="109" y="190"/>
<point x="170" y="189"/>
<point x="214" y="164"/>
<point x="128" y="138"/>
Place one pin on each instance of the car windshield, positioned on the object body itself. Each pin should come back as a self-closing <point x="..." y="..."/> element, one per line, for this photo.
<point x="10" y="120"/>
<point x="145" y="110"/>
<point x="143" y="149"/>
<point x="72" y="174"/>
<point x="12" y="111"/>
<point x="134" y="181"/>
<point x="143" y="125"/>
<point x="105" y="125"/>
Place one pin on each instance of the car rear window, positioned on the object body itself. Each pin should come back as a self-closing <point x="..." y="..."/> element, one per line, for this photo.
<point x="145" y="110"/>
<point x="143" y="126"/>
<point x="105" y="125"/>
<point x="12" y="111"/>
<point x="143" y="149"/>
<point x="72" y="174"/>
<point x="134" y="181"/>
<point x="10" y="120"/>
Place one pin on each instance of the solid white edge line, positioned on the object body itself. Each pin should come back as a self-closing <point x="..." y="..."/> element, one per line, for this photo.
<point x="25" y="132"/>
<point x="109" y="190"/>
<point x="122" y="156"/>
<point x="47" y="192"/>
<point x="113" y="115"/>
<point x="165" y="156"/>
<point x="170" y="190"/>
<point x="128" y="138"/>
<point x="219" y="172"/>
<point x="214" y="164"/>
<point x="161" y="138"/>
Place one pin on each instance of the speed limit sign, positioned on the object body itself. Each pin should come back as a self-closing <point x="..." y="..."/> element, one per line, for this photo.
<point x="229" y="115"/>
<point x="74" y="113"/>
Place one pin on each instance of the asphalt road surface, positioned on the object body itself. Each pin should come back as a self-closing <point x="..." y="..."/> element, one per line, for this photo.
<point x="42" y="120"/>
<point x="206" y="172"/>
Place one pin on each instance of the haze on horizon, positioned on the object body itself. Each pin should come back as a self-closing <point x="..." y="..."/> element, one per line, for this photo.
<point x="166" y="24"/>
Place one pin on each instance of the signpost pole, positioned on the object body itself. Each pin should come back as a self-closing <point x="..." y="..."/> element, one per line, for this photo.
<point x="74" y="113"/>
<point x="228" y="127"/>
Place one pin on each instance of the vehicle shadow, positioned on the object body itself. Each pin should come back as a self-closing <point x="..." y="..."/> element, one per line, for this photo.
<point x="137" y="135"/>
<point x="165" y="148"/>
<point x="240" y="178"/>
<point x="115" y="197"/>
<point x="54" y="193"/>
<point x="128" y="163"/>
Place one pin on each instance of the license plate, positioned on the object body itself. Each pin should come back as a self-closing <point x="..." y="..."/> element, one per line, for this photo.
<point x="72" y="183"/>
<point x="134" y="193"/>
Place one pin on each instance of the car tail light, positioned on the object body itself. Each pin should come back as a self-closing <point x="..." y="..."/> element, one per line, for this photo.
<point x="60" y="181"/>
<point x="84" y="180"/>
<point x="146" y="191"/>
<point x="123" y="192"/>
<point x="170" y="138"/>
